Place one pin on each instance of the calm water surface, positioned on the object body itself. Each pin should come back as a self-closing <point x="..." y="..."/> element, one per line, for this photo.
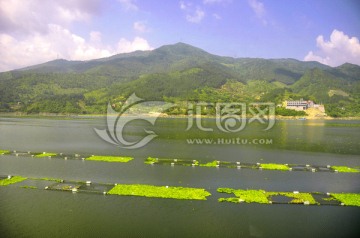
<point x="40" y="213"/>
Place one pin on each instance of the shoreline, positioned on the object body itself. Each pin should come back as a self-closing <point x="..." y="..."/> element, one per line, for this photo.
<point x="162" y="115"/>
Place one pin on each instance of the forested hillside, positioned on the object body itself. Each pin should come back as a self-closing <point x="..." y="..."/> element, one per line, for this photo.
<point x="177" y="73"/>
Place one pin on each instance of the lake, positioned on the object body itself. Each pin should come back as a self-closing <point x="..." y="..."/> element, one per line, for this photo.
<point x="41" y="213"/>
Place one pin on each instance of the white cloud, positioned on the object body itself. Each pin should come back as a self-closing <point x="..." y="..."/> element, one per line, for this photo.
<point x="259" y="10"/>
<point x="338" y="50"/>
<point x="125" y="46"/>
<point x="216" y="16"/>
<point x="95" y="37"/>
<point x="140" y="26"/>
<point x="38" y="48"/>
<point x="129" y="5"/>
<point x="215" y="1"/>
<point x="26" y="17"/>
<point x="37" y="31"/>
<point x="257" y="7"/>
<point x="196" y="17"/>
<point x="183" y="5"/>
<point x="59" y="42"/>
<point x="193" y="15"/>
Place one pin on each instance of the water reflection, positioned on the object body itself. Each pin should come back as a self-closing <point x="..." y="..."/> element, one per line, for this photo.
<point x="38" y="213"/>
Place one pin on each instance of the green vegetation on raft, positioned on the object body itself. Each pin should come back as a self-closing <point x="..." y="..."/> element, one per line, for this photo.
<point x="345" y="169"/>
<point x="232" y="199"/>
<point x="330" y="199"/>
<point x="195" y="163"/>
<point x="225" y="190"/>
<point x="299" y="198"/>
<point x="12" y="180"/>
<point x="150" y="160"/>
<point x="274" y="166"/>
<point x="249" y="196"/>
<point x="215" y="163"/>
<point x="49" y="179"/>
<point x="160" y="191"/>
<point x="70" y="187"/>
<point x="31" y="187"/>
<point x="119" y="159"/>
<point x="349" y="199"/>
<point x="4" y="152"/>
<point x="265" y="166"/>
<point x="43" y="155"/>
<point x="262" y="196"/>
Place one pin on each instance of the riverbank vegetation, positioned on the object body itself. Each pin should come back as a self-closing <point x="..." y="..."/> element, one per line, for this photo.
<point x="160" y="191"/>
<point x="281" y="111"/>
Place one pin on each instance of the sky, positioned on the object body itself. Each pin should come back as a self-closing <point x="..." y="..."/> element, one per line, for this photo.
<point x="37" y="31"/>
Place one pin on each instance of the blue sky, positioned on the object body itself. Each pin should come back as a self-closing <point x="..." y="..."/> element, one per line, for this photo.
<point x="36" y="31"/>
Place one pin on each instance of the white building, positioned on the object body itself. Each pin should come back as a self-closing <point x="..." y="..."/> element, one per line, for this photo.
<point x="299" y="105"/>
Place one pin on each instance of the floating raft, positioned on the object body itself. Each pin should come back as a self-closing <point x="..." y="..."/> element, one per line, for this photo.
<point x="173" y="192"/>
<point x="63" y="156"/>
<point x="86" y="187"/>
<point x="142" y="190"/>
<point x="258" y="166"/>
<point x="191" y="163"/>
<point x="294" y="197"/>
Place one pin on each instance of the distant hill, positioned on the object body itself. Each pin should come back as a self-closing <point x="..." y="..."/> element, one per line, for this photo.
<point x="177" y="73"/>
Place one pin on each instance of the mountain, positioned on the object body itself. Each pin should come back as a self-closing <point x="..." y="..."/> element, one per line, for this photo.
<point x="176" y="73"/>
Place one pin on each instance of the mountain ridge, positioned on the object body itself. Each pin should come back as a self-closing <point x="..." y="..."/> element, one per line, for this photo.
<point x="176" y="49"/>
<point x="178" y="72"/>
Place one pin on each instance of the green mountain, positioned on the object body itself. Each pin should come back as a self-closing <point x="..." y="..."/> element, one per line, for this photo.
<point x="176" y="73"/>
